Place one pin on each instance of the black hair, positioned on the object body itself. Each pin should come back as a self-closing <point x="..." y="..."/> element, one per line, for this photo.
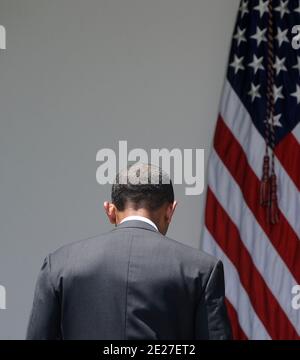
<point x="148" y="196"/>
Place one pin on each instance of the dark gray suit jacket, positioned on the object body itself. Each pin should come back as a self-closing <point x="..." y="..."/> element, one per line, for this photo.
<point x="131" y="283"/>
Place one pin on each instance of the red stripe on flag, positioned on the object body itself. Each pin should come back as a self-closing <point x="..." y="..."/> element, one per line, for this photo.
<point x="281" y="235"/>
<point x="288" y="153"/>
<point x="226" y="234"/>
<point x="237" y="331"/>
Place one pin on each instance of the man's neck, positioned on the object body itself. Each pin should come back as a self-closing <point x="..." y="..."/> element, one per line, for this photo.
<point x="132" y="212"/>
<point x="139" y="218"/>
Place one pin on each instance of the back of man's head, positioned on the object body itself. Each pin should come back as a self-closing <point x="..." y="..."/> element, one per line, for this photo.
<point x="144" y="190"/>
<point x="142" y="186"/>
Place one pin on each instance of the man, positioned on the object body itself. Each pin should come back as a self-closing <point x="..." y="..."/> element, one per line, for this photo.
<point x="132" y="282"/>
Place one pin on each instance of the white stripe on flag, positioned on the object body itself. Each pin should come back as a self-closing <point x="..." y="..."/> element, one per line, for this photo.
<point x="296" y="133"/>
<point x="239" y="121"/>
<point x="265" y="257"/>
<point x="236" y="294"/>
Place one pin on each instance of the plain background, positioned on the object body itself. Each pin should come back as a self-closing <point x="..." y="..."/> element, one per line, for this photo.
<point x="78" y="76"/>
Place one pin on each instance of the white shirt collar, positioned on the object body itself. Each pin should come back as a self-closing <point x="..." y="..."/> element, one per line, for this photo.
<point x="140" y="218"/>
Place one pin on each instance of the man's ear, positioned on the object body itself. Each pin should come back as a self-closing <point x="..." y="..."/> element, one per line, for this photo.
<point x="170" y="211"/>
<point x="110" y="210"/>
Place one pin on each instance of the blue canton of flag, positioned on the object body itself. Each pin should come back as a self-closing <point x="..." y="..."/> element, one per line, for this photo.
<point x="248" y="64"/>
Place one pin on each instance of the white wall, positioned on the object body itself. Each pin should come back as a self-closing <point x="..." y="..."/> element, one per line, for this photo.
<point x="78" y="76"/>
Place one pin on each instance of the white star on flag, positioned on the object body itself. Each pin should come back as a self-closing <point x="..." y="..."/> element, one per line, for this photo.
<point x="254" y="92"/>
<point x="283" y="8"/>
<point x="279" y="65"/>
<point x="275" y="121"/>
<point x="244" y="8"/>
<point x="262" y="7"/>
<point x="281" y="36"/>
<point x="240" y="36"/>
<point x="259" y="36"/>
<point x="257" y="64"/>
<point x="278" y="93"/>
<point x="237" y="64"/>
<point x="296" y="94"/>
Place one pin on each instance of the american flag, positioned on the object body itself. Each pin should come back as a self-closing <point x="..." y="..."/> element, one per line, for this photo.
<point x="259" y="119"/>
